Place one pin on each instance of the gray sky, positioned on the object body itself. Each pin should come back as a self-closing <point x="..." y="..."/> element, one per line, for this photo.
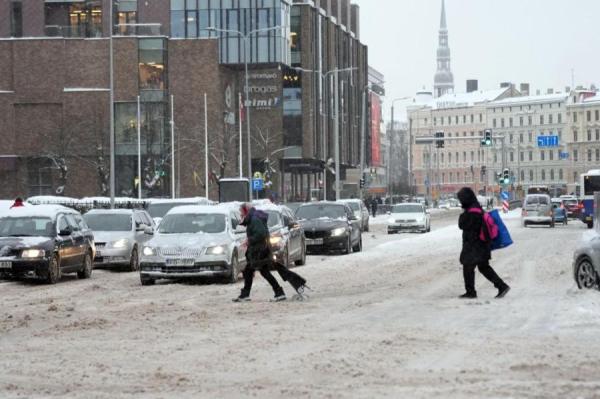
<point x="533" y="41"/>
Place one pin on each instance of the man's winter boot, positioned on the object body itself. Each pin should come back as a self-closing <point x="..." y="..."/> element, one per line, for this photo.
<point x="279" y="295"/>
<point x="244" y="297"/>
<point x="503" y="291"/>
<point x="468" y="295"/>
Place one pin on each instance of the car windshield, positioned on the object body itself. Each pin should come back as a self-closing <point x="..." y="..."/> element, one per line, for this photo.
<point x="26" y="227"/>
<point x="407" y="209"/>
<point x="571" y="202"/>
<point x="274" y="219"/>
<point x="354" y="206"/>
<point x="160" y="210"/>
<point x="108" y="222"/>
<point x="192" y="224"/>
<point x="309" y="212"/>
<point x="536" y="200"/>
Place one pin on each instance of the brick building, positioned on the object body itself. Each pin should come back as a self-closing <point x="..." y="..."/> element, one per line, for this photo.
<point x="54" y="96"/>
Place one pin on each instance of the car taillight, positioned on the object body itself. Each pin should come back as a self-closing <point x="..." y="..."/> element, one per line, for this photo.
<point x="581" y="205"/>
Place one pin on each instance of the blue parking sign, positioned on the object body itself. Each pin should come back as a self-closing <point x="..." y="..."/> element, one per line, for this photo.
<point x="257" y="184"/>
<point x="505" y="196"/>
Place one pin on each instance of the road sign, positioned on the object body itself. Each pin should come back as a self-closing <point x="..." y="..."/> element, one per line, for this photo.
<point x="547" y="141"/>
<point x="505" y="195"/>
<point x="258" y="184"/>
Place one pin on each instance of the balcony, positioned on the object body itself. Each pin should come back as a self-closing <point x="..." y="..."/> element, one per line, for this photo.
<point x="138" y="30"/>
<point x="73" y="31"/>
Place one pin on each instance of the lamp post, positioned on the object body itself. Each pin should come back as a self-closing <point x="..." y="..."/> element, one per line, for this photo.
<point x="112" y="109"/>
<point x="246" y="38"/>
<point x="324" y="76"/>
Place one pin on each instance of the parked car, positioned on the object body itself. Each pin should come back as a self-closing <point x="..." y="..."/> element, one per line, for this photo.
<point x="195" y="241"/>
<point x="537" y="209"/>
<point x="409" y="217"/>
<point x="572" y="205"/>
<point x="292" y="206"/>
<point x="586" y="262"/>
<point x="119" y="235"/>
<point x="360" y="211"/>
<point x="330" y="226"/>
<point x="45" y="241"/>
<point x="287" y="235"/>
<point x="560" y="212"/>
<point x="158" y="208"/>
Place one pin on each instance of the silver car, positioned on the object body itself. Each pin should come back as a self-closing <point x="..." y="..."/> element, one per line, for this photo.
<point x="586" y="262"/>
<point x="537" y="209"/>
<point x="119" y="235"/>
<point x="360" y="211"/>
<point x="196" y="241"/>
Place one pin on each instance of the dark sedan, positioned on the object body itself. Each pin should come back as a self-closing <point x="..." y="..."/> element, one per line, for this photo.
<point x="45" y="241"/>
<point x="330" y="226"/>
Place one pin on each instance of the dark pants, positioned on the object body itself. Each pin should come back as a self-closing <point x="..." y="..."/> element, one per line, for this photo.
<point x="248" y="274"/>
<point x="486" y="270"/>
<point x="286" y="274"/>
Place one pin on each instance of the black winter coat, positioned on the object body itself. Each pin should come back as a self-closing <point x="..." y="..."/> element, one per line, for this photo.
<point x="259" y="252"/>
<point x="474" y="251"/>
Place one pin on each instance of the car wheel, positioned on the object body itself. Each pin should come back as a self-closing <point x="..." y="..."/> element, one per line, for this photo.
<point x="146" y="280"/>
<point x="585" y="275"/>
<point x="552" y="224"/>
<point x="86" y="271"/>
<point x="53" y="274"/>
<point x="590" y="225"/>
<point x="565" y="222"/>
<point x="233" y="276"/>
<point x="367" y="228"/>
<point x="302" y="260"/>
<point x="134" y="262"/>
<point x="429" y="229"/>
<point x="358" y="247"/>
<point x="525" y="224"/>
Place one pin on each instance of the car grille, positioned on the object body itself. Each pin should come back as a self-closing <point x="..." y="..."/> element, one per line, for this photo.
<point x="189" y="269"/>
<point x="180" y="252"/>
<point x="100" y="244"/>
<point x="311" y="235"/>
<point x="406" y="221"/>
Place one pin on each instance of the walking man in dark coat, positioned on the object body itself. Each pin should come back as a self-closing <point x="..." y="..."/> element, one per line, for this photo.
<point x="259" y="256"/>
<point x="475" y="252"/>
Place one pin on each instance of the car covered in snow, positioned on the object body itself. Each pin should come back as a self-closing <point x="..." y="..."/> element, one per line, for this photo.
<point x="45" y="241"/>
<point x="287" y="235"/>
<point x="195" y="241"/>
<point x="411" y="217"/>
<point x="119" y="235"/>
<point x="360" y="211"/>
<point x="158" y="208"/>
<point x="330" y="226"/>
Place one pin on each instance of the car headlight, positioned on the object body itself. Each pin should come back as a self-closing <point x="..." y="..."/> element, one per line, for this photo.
<point x="216" y="250"/>
<point x="276" y="240"/>
<point x="338" y="232"/>
<point x="148" y="251"/>
<point x="122" y="243"/>
<point x="32" y="253"/>
<point x="391" y="221"/>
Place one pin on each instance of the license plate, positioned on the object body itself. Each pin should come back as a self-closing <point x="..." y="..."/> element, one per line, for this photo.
<point x="180" y="262"/>
<point x="5" y="265"/>
<point x="318" y="241"/>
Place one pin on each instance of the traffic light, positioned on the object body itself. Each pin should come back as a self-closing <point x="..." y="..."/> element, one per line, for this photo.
<point x="499" y="178"/>
<point x="506" y="176"/>
<point x="487" y="140"/>
<point x="362" y="182"/>
<point x="439" y="139"/>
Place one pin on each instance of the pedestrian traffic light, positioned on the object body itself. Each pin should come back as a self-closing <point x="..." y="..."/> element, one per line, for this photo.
<point x="439" y="139"/>
<point x="506" y="176"/>
<point x="487" y="138"/>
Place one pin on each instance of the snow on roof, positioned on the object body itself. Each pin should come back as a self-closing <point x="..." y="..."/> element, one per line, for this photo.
<point x="48" y="211"/>
<point x="546" y="98"/>
<point x="346" y="200"/>
<point x="459" y="100"/>
<point x="268" y="207"/>
<point x="195" y="209"/>
<point x="198" y="200"/>
<point x="107" y="199"/>
<point x="49" y="199"/>
<point x="594" y="99"/>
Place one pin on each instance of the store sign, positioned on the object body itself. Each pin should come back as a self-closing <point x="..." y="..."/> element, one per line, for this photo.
<point x="264" y="91"/>
<point x="375" y="130"/>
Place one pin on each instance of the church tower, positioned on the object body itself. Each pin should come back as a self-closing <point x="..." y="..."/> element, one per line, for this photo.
<point x="444" y="80"/>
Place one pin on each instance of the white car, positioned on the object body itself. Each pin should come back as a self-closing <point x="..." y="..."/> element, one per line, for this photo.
<point x="158" y="208"/>
<point x="409" y="217"/>
<point x="195" y="241"/>
<point x="444" y="205"/>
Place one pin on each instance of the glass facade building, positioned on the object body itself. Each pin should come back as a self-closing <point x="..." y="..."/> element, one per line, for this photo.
<point x="251" y="18"/>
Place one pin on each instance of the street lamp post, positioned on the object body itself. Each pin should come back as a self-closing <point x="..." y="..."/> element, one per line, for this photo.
<point x="112" y="109"/>
<point x="246" y="38"/>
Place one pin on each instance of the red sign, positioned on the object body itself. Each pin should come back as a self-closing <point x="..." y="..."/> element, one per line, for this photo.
<point x="375" y="130"/>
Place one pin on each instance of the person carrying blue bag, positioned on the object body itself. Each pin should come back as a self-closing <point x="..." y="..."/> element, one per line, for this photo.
<point x="480" y="234"/>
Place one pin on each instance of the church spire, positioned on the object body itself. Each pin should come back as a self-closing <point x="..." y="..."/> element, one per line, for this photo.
<point x="444" y="79"/>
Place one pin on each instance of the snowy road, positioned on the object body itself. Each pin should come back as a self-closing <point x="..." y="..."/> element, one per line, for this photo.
<point x="382" y="323"/>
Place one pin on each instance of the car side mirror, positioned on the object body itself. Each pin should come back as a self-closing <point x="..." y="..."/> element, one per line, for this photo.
<point x="148" y="230"/>
<point x="65" y="232"/>
<point x="141" y="227"/>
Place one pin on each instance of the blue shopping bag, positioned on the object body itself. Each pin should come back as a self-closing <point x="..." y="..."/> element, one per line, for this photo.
<point x="503" y="239"/>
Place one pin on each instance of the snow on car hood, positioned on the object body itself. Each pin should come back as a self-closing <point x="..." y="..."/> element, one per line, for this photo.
<point x="408" y="216"/>
<point x="197" y="240"/>
<point x="7" y="243"/>
<point x="323" y="224"/>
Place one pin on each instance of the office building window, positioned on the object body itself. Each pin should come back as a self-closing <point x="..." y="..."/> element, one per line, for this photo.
<point x="552" y="174"/>
<point x="73" y="19"/>
<point x="465" y="157"/>
<point x="295" y="34"/>
<point x="510" y="138"/>
<point x="574" y="116"/>
<point x="16" y="19"/>
<point x="435" y="121"/>
<point x="530" y="137"/>
<point x="559" y="134"/>
<point x="589" y="116"/>
<point x="597" y="115"/>
<point x="522" y="156"/>
<point x="480" y="118"/>
<point x="152" y="64"/>
<point x="597" y="155"/>
<point x="541" y="119"/>
<point x="543" y="175"/>
<point x="125" y="16"/>
<point x="449" y="158"/>
<point x="472" y="156"/>
<point x="520" y="121"/>
<point x="522" y="175"/>
<point x="559" y="118"/>
<point x="597" y="134"/>
<point x="589" y="155"/>
<point x="502" y="122"/>
<point x="494" y="124"/>
<point x="529" y="120"/>
<point x="560" y="174"/>
<point x="542" y="155"/>
<point x="575" y="136"/>
<point x="456" y="120"/>
<point x="530" y="156"/>
<point x="589" y="134"/>
<point x="575" y="155"/>
<point x="495" y="158"/>
<point x="530" y="175"/>
<point x="510" y="122"/>
<point x="575" y="177"/>
<point x="473" y="119"/>
<point x="550" y="119"/>
<point x="449" y="120"/>
<point x="551" y="155"/>
<point x="512" y="156"/>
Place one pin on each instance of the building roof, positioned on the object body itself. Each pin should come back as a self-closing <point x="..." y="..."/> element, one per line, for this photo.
<point x="462" y="100"/>
<point x="595" y="99"/>
<point x="546" y="98"/>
